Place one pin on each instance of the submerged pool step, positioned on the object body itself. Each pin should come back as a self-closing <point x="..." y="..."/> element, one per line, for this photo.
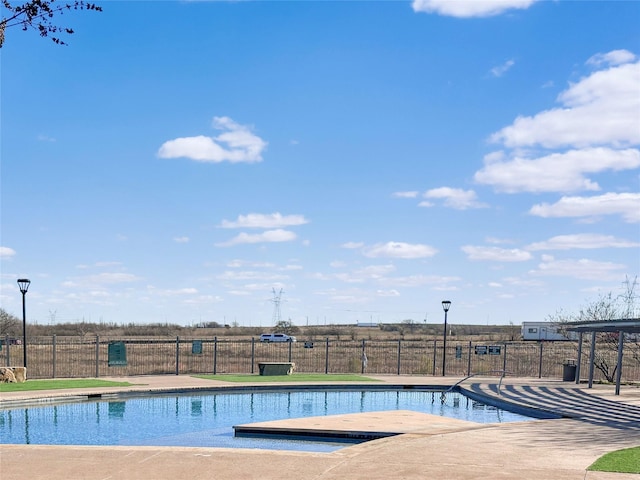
<point x="309" y="434"/>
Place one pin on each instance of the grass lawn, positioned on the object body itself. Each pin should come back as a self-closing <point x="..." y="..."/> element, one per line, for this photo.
<point x="620" y="461"/>
<point x="296" y="377"/>
<point x="58" y="384"/>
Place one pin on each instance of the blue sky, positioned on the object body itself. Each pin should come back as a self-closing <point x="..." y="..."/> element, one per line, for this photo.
<point x="181" y="161"/>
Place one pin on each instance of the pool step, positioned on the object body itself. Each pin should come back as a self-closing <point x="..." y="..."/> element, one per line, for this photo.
<point x="574" y="403"/>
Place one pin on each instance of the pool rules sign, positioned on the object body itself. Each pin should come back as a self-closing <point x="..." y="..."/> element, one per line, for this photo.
<point x="117" y="354"/>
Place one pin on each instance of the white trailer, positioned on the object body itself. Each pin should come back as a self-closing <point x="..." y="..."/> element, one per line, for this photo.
<point x="545" y="331"/>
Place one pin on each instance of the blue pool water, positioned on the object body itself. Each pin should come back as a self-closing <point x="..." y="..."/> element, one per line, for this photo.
<point x="206" y="419"/>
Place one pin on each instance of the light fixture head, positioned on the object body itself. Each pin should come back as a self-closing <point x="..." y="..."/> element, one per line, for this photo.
<point x="24" y="283"/>
<point x="446" y="304"/>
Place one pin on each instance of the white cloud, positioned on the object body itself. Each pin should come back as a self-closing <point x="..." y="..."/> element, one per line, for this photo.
<point x="418" y="280"/>
<point x="412" y="194"/>
<point x="45" y="138"/>
<point x="453" y="198"/>
<point x="583" y="269"/>
<point x="469" y="8"/>
<point x="291" y="267"/>
<point x="377" y="273"/>
<point x="615" y="57"/>
<point x="353" y="245"/>
<point x="181" y="239"/>
<point x="349" y="299"/>
<point x="246" y="263"/>
<point x="399" y="250"/>
<point x="258" y="220"/>
<point x="6" y="252"/>
<point x="101" y="264"/>
<point x="269" y="236"/>
<point x="582" y="241"/>
<point x="203" y="300"/>
<point x="236" y="144"/>
<point x="557" y="172"/>
<point x="600" y="109"/>
<point x="387" y="293"/>
<point x="250" y="275"/>
<point x="498" y="241"/>
<point x="496" y="254"/>
<point x="176" y="292"/>
<point x="111" y="278"/>
<point x="502" y="69"/>
<point x="626" y="205"/>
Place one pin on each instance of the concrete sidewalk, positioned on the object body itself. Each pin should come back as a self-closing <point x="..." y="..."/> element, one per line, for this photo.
<point x="432" y="448"/>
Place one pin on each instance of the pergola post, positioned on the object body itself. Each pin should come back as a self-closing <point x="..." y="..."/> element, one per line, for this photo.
<point x="579" y="358"/>
<point x="592" y="358"/>
<point x="619" y="365"/>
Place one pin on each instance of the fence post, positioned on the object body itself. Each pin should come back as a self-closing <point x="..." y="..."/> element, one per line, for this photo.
<point x="6" y="344"/>
<point x="253" y="353"/>
<point x="290" y="347"/>
<point x="177" y="355"/>
<point x="504" y="360"/>
<point x="435" y="345"/>
<point x="326" y="357"/>
<point x="469" y="360"/>
<point x="53" y="359"/>
<point x="619" y="364"/>
<point x="215" y="355"/>
<point x="399" y="350"/>
<point x="363" y="358"/>
<point x="540" y="362"/>
<point x="97" y="356"/>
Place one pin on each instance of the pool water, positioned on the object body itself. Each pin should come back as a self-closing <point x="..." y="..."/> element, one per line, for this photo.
<point x="206" y="419"/>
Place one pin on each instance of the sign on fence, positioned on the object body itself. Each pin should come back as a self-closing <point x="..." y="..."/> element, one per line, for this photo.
<point x="494" y="349"/>
<point x="117" y="354"/>
<point x="481" y="349"/>
<point x="196" y="347"/>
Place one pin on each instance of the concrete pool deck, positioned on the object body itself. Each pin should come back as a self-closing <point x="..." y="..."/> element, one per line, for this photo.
<point x="428" y="447"/>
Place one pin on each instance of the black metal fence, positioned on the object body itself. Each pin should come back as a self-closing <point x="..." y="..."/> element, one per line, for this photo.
<point x="97" y="356"/>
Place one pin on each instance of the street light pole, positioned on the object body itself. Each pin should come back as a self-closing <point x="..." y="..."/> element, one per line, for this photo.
<point x="446" y="304"/>
<point x="24" y="283"/>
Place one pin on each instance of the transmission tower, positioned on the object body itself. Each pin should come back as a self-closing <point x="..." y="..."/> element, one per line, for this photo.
<point x="276" y="306"/>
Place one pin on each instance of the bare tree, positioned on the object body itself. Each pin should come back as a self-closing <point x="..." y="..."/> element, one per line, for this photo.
<point x="606" y="308"/>
<point x="39" y="15"/>
<point x="287" y="327"/>
<point x="9" y="324"/>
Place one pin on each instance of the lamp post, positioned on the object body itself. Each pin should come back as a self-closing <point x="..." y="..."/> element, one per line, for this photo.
<point x="446" y="304"/>
<point x="24" y="283"/>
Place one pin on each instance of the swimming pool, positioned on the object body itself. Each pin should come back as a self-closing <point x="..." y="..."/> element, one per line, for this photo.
<point x="206" y="419"/>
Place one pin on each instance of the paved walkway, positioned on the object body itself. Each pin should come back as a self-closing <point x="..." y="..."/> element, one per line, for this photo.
<point x="430" y="448"/>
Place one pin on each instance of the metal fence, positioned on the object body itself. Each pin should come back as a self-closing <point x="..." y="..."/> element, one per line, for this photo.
<point x="97" y="356"/>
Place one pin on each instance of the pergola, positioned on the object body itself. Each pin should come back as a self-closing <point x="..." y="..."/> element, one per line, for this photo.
<point x="621" y="327"/>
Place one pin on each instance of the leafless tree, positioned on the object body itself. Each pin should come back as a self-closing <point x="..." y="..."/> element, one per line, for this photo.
<point x="39" y="15"/>
<point x="9" y="324"/>
<point x="606" y="308"/>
